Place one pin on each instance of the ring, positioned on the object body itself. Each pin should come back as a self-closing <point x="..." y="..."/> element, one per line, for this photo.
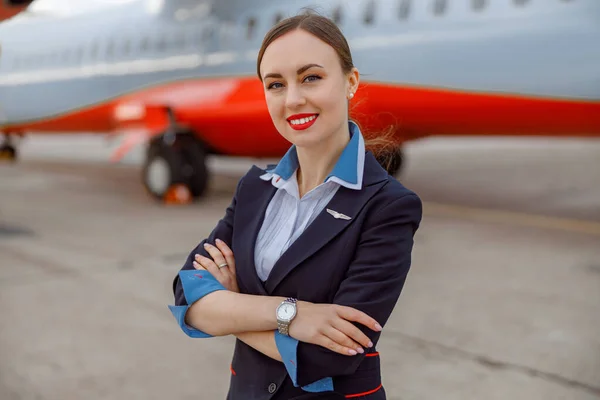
<point x="222" y="265"/>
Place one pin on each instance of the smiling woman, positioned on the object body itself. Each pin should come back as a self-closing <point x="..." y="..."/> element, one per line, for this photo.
<point x="307" y="264"/>
<point x="313" y="39"/>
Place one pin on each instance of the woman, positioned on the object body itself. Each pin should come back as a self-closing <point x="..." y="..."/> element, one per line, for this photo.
<point x="310" y="258"/>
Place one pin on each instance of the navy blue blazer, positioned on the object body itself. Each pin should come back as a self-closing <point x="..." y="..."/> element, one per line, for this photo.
<point x="362" y="263"/>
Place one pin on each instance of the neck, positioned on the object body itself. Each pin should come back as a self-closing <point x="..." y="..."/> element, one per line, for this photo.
<point x="317" y="162"/>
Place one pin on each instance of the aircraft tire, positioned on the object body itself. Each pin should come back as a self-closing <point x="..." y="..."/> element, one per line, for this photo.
<point x="8" y="152"/>
<point x="162" y="169"/>
<point x="194" y="169"/>
<point x="181" y="162"/>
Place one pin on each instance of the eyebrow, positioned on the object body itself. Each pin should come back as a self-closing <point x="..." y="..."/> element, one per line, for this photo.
<point x="300" y="70"/>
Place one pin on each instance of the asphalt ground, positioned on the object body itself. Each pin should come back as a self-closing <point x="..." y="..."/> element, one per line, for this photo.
<point x="502" y="302"/>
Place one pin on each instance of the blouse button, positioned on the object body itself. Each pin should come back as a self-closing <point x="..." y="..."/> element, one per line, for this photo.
<point x="272" y="388"/>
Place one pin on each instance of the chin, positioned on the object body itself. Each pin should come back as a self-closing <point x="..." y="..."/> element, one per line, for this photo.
<point x="304" y="138"/>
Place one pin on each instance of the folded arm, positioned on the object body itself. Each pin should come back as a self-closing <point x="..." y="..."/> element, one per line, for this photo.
<point x="204" y="308"/>
<point x="373" y="285"/>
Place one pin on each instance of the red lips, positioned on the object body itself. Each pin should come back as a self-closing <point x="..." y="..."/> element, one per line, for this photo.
<point x="298" y="116"/>
<point x="300" y="127"/>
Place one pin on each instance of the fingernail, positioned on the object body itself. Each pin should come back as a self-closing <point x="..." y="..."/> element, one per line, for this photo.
<point x="206" y="245"/>
<point x="219" y="241"/>
<point x="360" y="350"/>
<point x="353" y="352"/>
<point x="370" y="344"/>
<point x="378" y="327"/>
<point x="197" y="256"/>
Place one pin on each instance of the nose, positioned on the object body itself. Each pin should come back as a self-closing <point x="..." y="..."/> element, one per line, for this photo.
<point x="294" y="97"/>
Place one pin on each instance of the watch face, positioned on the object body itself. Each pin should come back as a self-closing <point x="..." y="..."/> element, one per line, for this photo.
<point x="286" y="311"/>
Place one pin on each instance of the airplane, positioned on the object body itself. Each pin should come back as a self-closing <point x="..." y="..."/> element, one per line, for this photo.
<point x="179" y="76"/>
<point x="10" y="8"/>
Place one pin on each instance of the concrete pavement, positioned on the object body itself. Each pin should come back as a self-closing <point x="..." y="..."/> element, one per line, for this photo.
<point x="495" y="307"/>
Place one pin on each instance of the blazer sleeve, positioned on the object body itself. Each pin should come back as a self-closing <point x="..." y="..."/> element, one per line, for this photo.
<point x="373" y="284"/>
<point x="190" y="285"/>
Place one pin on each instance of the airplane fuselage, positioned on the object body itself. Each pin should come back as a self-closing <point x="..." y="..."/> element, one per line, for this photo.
<point x="428" y="68"/>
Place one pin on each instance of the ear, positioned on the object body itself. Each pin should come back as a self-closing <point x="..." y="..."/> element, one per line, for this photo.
<point x="353" y="81"/>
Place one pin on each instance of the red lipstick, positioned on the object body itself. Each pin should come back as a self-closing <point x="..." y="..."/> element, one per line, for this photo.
<point x="305" y="125"/>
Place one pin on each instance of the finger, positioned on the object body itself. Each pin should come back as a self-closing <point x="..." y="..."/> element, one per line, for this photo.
<point x="352" y="314"/>
<point x="215" y="253"/>
<point x="350" y="330"/>
<point x="343" y="340"/>
<point x="227" y="253"/>
<point x="198" y="266"/>
<point x="209" y="265"/>
<point x="335" y="346"/>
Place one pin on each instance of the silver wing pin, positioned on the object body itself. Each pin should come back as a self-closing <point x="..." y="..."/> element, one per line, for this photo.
<point x="338" y="215"/>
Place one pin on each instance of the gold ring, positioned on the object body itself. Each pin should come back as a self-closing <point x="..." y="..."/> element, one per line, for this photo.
<point x="222" y="265"/>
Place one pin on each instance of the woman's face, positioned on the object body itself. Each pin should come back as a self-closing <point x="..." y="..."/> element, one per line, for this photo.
<point x="305" y="88"/>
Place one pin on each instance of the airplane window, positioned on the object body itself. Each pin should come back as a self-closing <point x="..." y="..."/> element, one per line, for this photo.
<point x="277" y="19"/>
<point x="79" y="54"/>
<point x="478" y="5"/>
<point x="161" y="44"/>
<point x="110" y="49"/>
<point x="179" y="40"/>
<point x="369" y="17"/>
<point x="208" y="34"/>
<point x="250" y="27"/>
<point x="126" y="46"/>
<point x="336" y="15"/>
<point x="94" y="51"/>
<point x="404" y="9"/>
<point x="145" y="45"/>
<point x="439" y="7"/>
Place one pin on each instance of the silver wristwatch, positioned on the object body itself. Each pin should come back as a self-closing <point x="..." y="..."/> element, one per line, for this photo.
<point x="286" y="311"/>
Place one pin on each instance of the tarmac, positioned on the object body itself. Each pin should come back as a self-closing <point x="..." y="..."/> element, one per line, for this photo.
<point x="502" y="301"/>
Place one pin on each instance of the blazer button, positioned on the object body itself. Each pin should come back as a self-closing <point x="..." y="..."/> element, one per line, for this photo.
<point x="272" y="388"/>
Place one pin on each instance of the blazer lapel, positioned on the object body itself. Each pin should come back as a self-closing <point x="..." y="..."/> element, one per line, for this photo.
<point x="325" y="227"/>
<point x="250" y="218"/>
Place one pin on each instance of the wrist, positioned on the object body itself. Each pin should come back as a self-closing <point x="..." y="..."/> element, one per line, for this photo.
<point x="286" y="313"/>
<point x="268" y="311"/>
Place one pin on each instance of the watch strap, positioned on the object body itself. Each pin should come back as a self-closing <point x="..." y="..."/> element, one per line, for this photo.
<point x="284" y="326"/>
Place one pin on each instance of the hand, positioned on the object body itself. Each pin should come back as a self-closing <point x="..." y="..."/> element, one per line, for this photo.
<point x="329" y="326"/>
<point x="221" y="255"/>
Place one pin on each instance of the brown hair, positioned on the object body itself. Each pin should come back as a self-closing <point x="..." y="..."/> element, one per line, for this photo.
<point x="382" y="144"/>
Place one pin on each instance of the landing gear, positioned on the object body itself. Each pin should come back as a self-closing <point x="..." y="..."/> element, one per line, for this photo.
<point x="393" y="163"/>
<point x="175" y="161"/>
<point x="8" y="151"/>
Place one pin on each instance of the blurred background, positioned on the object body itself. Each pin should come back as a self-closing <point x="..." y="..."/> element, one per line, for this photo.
<point x="126" y="126"/>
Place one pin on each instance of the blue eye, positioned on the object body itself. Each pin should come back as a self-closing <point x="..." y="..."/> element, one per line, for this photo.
<point x="316" y="77"/>
<point x="272" y="85"/>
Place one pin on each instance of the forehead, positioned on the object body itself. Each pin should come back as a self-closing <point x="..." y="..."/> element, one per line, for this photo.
<point x="295" y="49"/>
